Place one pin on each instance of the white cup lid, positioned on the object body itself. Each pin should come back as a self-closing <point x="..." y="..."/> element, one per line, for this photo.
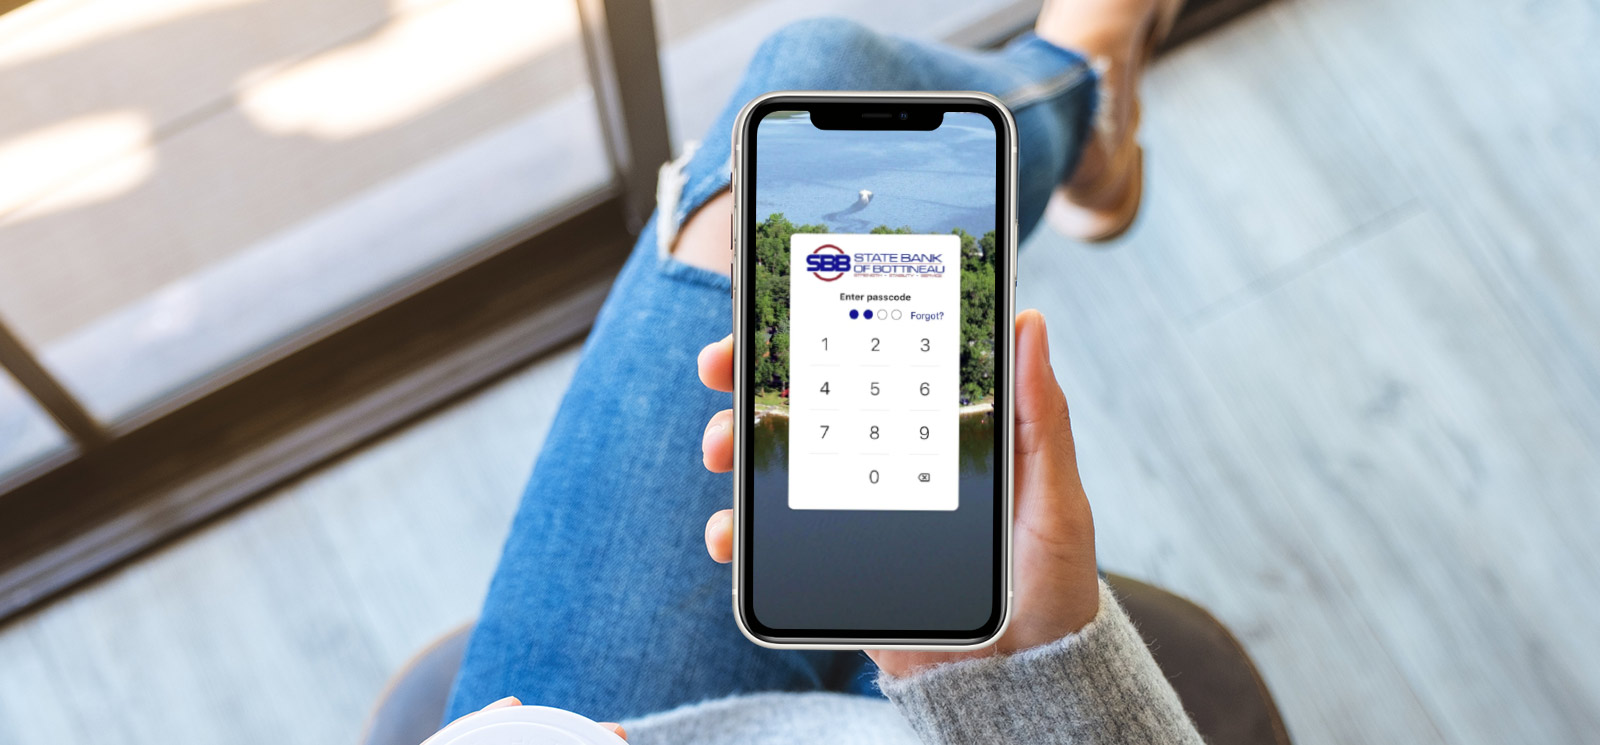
<point x="525" y="725"/>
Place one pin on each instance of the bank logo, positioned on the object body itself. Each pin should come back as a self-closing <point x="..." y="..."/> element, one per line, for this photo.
<point x="828" y="259"/>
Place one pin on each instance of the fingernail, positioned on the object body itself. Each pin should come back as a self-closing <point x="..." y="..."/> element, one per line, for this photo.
<point x="503" y="703"/>
<point x="1044" y="336"/>
<point x="713" y="429"/>
<point x="720" y="524"/>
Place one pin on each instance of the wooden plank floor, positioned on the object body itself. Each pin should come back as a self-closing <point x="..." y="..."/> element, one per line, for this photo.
<point x="1341" y="385"/>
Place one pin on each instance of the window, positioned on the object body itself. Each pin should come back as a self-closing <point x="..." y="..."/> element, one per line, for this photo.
<point x="193" y="182"/>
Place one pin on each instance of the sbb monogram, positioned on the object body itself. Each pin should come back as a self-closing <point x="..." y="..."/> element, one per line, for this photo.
<point x="828" y="263"/>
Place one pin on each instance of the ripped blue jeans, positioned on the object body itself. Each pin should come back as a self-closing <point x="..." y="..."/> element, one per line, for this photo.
<point x="604" y="601"/>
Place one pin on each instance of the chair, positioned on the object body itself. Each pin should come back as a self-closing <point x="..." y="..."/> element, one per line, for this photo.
<point x="1214" y="677"/>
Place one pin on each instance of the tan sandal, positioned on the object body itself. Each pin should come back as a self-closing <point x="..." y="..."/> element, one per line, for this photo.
<point x="1101" y="200"/>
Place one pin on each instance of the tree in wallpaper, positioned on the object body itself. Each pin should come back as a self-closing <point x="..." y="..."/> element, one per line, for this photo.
<point x="771" y="329"/>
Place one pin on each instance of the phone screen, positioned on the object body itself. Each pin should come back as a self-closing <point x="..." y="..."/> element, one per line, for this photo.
<point x="873" y="490"/>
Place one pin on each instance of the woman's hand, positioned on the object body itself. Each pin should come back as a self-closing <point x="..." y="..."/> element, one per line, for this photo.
<point x="513" y="701"/>
<point x="1057" y="591"/>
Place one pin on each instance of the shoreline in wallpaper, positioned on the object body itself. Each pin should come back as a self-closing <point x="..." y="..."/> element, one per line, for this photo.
<point x="764" y="410"/>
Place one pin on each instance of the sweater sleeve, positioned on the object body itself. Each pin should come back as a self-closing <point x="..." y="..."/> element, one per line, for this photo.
<point x="1099" y="685"/>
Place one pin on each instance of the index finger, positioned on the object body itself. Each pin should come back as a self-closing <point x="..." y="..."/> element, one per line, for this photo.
<point x="716" y="365"/>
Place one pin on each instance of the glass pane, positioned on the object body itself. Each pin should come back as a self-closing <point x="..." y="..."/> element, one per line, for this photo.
<point x="27" y="433"/>
<point x="707" y="43"/>
<point x="190" y="181"/>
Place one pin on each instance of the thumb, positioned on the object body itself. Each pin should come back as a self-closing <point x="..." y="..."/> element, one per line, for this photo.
<point x="1042" y="419"/>
<point x="1054" y="550"/>
<point x="1047" y="462"/>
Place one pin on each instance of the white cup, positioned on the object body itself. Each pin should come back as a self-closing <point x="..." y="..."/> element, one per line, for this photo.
<point x="524" y="725"/>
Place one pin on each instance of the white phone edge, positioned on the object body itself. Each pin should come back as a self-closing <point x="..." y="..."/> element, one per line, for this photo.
<point x="740" y="414"/>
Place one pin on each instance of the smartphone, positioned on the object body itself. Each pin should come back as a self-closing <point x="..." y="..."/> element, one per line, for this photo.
<point x="874" y="267"/>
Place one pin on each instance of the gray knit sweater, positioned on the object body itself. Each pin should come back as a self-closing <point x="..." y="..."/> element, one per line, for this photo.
<point x="1099" y="685"/>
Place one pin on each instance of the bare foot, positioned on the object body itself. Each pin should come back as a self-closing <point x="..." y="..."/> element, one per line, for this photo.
<point x="1101" y="199"/>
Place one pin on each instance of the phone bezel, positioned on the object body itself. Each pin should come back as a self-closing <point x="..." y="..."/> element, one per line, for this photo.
<point x="744" y="153"/>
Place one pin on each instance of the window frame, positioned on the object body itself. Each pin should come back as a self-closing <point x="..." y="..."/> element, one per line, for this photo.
<point x="123" y="487"/>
